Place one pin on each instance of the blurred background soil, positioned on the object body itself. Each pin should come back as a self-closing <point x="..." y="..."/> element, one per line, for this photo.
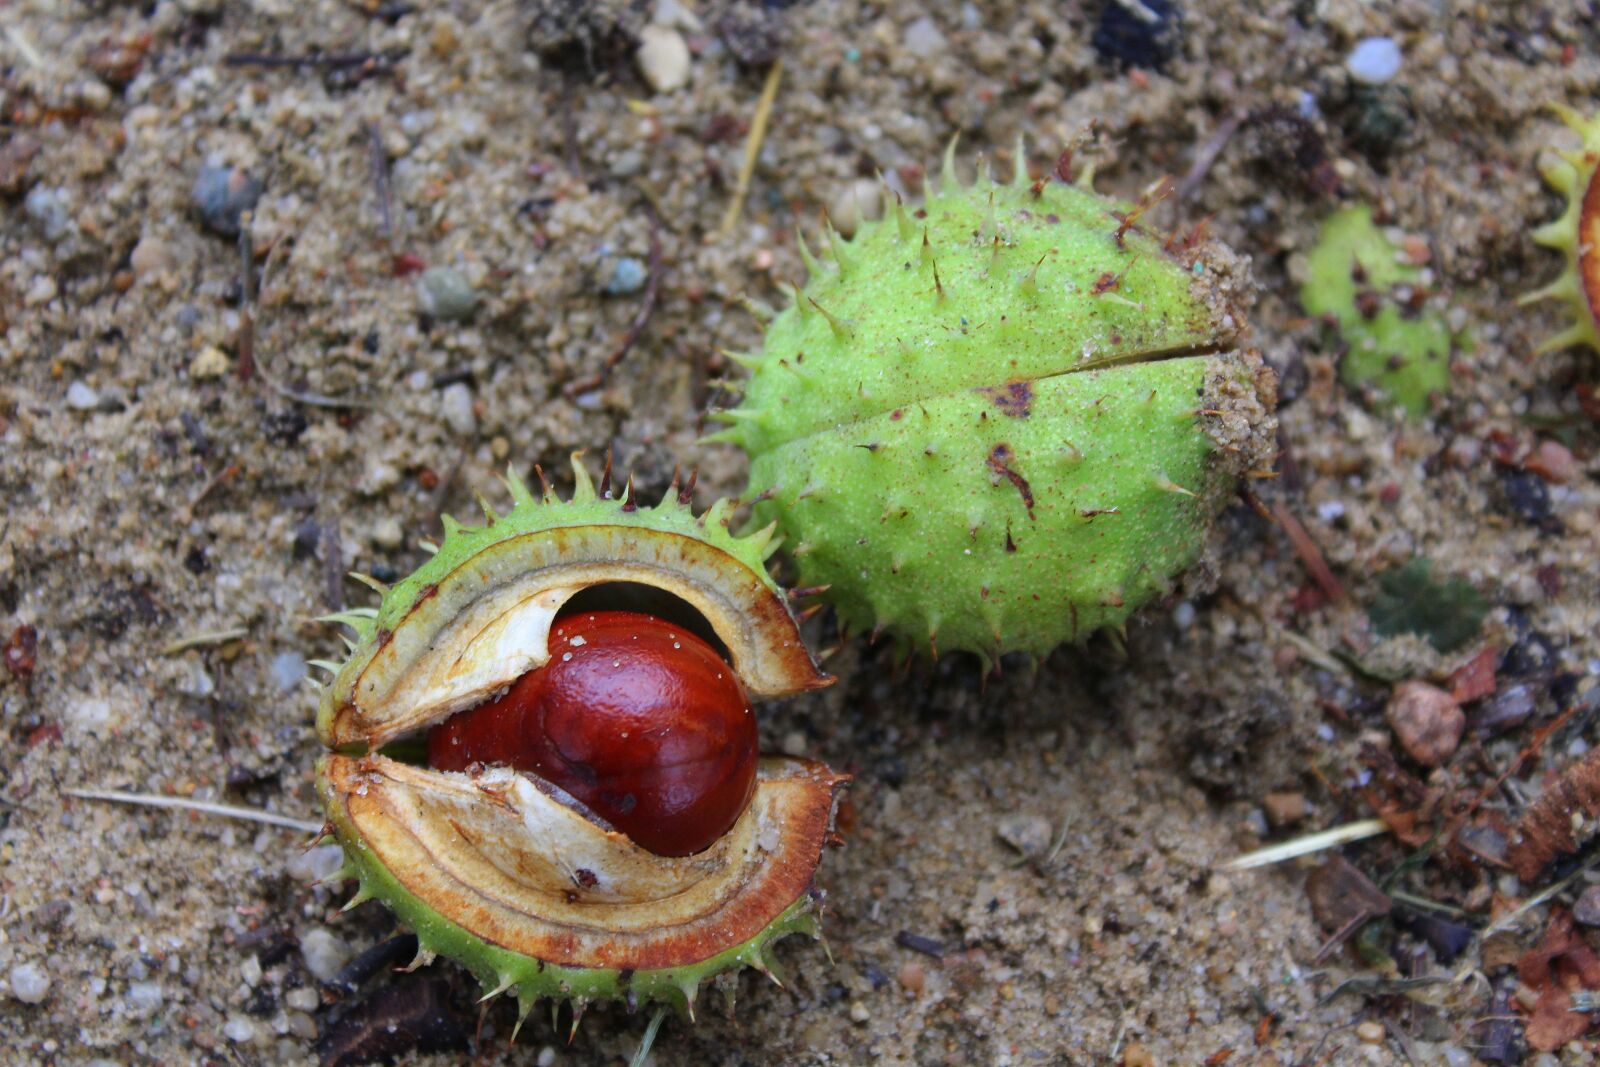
<point x="450" y="239"/>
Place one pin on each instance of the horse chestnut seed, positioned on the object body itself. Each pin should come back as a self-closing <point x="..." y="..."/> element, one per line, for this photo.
<point x="638" y="719"/>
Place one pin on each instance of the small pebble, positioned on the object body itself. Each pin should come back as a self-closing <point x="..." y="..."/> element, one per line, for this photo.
<point x="859" y="1012"/>
<point x="221" y="195"/>
<point x="287" y="669"/>
<point x="30" y="983"/>
<point x="1029" y="834"/>
<point x="853" y="204"/>
<point x="324" y="953"/>
<point x="444" y="294"/>
<point x="911" y="977"/>
<point x="211" y="363"/>
<point x="301" y="1025"/>
<point x="547" y="1056"/>
<point x="922" y="38"/>
<point x="239" y="1030"/>
<point x="250" y="970"/>
<point x="1426" y="721"/>
<point x="1553" y="462"/>
<point x="47" y="207"/>
<point x="1374" y="60"/>
<point x="1370" y="1032"/>
<point x="16" y="155"/>
<point x="144" y="998"/>
<point x="456" y="406"/>
<point x="794" y="743"/>
<point x="1284" y="809"/>
<point x="388" y="533"/>
<point x="622" y="275"/>
<point x="302" y="998"/>
<point x="663" y="58"/>
<point x="82" y="397"/>
<point x="41" y="290"/>
<point x="1136" y="1055"/>
<point x="1587" y="908"/>
<point x="315" y="864"/>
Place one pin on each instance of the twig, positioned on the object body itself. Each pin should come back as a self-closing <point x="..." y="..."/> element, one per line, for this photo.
<point x="378" y="158"/>
<point x="228" y="811"/>
<point x="186" y="513"/>
<point x="1510" y="918"/>
<point x="647" y="307"/>
<point x="298" y="396"/>
<point x="1207" y="153"/>
<point x="375" y="61"/>
<point x="212" y="637"/>
<point x="752" y="147"/>
<point x="1310" y="555"/>
<point x="245" y="368"/>
<point x="332" y="565"/>
<point x="1303" y="846"/>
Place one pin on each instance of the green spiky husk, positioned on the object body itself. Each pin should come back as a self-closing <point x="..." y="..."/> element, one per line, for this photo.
<point x="989" y="426"/>
<point x="1575" y="234"/>
<point x="500" y="971"/>
<point x="1404" y="354"/>
<point x="589" y="519"/>
<point x="533" y="515"/>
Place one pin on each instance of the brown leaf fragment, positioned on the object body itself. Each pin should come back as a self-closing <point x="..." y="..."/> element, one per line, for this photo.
<point x="1547" y="829"/>
<point x="1562" y="962"/>
<point x="402" y="1016"/>
<point x="1341" y="895"/>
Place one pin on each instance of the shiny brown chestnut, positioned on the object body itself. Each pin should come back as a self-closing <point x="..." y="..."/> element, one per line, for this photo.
<point x="637" y="718"/>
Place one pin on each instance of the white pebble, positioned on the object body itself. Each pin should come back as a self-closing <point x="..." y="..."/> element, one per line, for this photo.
<point x="547" y="1056"/>
<point x="82" y="397"/>
<point x="663" y="58"/>
<point x="456" y="406"/>
<point x="922" y="37"/>
<point x="144" y="998"/>
<point x="387" y="532"/>
<point x="302" y="998"/>
<point x="250" y="970"/>
<point x="315" y="864"/>
<point x="89" y="714"/>
<point x="1374" y="60"/>
<point x="239" y="1030"/>
<point x="324" y="953"/>
<point x="30" y="983"/>
<point x="287" y="669"/>
<point x="41" y="290"/>
<point x="1183" y="615"/>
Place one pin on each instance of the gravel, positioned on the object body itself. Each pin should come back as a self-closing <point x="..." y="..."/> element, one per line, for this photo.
<point x="30" y="983"/>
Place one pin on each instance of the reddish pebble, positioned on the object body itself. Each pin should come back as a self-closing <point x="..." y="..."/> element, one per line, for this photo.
<point x="911" y="977"/>
<point x="1552" y="461"/>
<point x="407" y="263"/>
<point x="22" y="651"/>
<point x="1427" y="721"/>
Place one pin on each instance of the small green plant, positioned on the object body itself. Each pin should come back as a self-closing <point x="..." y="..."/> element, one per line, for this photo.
<point x="1396" y="343"/>
<point x="1448" y="613"/>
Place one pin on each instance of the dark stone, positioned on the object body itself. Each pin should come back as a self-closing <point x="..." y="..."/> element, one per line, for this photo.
<point x="1126" y="37"/>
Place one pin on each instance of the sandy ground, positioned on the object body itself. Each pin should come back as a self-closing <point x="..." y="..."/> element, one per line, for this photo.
<point x="1052" y="833"/>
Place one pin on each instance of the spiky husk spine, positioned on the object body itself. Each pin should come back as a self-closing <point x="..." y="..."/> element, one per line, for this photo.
<point x="1003" y="420"/>
<point x="499" y="970"/>
<point x="1575" y="234"/>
